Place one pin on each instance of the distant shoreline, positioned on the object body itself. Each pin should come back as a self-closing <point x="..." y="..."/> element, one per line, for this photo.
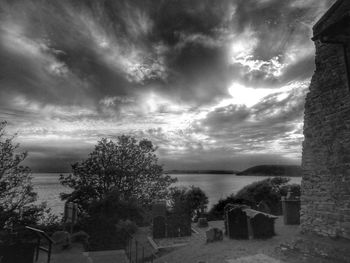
<point x="200" y="172"/>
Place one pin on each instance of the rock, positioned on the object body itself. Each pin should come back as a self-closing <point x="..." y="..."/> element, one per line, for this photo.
<point x="214" y="234"/>
<point x="61" y="238"/>
<point x="219" y="235"/>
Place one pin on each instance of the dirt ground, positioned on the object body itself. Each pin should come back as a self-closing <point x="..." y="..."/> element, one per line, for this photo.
<point x="228" y="250"/>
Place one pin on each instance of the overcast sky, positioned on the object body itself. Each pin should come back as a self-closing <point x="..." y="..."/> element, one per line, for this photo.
<point x="214" y="84"/>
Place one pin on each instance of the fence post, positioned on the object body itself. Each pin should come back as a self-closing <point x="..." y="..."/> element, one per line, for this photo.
<point x="136" y="252"/>
<point x="143" y="254"/>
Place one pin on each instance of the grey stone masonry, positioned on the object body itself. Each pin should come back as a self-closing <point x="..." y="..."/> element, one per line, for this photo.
<point x="325" y="199"/>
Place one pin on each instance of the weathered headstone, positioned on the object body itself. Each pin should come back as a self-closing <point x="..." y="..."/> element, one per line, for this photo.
<point x="237" y="225"/>
<point x="219" y="235"/>
<point x="262" y="226"/>
<point x="159" y="227"/>
<point x="210" y="234"/>
<point x="214" y="234"/>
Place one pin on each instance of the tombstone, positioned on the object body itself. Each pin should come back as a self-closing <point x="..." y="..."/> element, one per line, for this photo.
<point x="262" y="226"/>
<point x="237" y="225"/>
<point x="219" y="235"/>
<point x="214" y="234"/>
<point x="227" y="208"/>
<point x="210" y="234"/>
<point x="159" y="227"/>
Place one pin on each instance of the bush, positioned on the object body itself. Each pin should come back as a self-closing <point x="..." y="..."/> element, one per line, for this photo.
<point x="80" y="237"/>
<point x="217" y="211"/>
<point x="126" y="225"/>
<point x="114" y="207"/>
<point x="268" y="190"/>
<point x="110" y="220"/>
<point x="295" y="189"/>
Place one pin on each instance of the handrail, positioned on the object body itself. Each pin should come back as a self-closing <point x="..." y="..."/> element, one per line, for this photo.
<point x="41" y="233"/>
<point x="133" y="256"/>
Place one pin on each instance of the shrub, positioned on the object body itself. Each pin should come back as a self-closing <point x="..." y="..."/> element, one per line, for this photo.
<point x="80" y="237"/>
<point x="108" y="221"/>
<point x="295" y="189"/>
<point x="126" y="225"/>
<point x="217" y="211"/>
<point x="268" y="190"/>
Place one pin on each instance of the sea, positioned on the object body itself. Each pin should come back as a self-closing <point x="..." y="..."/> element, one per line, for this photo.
<point x="216" y="186"/>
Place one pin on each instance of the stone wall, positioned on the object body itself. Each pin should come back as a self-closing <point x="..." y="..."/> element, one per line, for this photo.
<point x="325" y="203"/>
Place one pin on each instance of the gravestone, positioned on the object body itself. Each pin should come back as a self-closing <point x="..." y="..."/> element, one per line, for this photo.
<point x="262" y="226"/>
<point x="237" y="225"/>
<point x="159" y="227"/>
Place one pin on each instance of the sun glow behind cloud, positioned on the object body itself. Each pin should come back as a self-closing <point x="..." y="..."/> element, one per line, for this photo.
<point x="208" y="84"/>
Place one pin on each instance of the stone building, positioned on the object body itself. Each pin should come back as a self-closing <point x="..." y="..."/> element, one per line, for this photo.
<point x="326" y="150"/>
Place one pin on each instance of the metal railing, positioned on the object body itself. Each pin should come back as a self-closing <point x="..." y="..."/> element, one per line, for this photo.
<point x="41" y="234"/>
<point x="137" y="253"/>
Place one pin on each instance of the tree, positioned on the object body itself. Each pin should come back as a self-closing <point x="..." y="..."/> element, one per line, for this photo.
<point x="191" y="199"/>
<point x="16" y="188"/>
<point x="197" y="200"/>
<point x="127" y="166"/>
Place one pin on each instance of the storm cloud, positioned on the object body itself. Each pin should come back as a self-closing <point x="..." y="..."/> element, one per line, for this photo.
<point x="214" y="82"/>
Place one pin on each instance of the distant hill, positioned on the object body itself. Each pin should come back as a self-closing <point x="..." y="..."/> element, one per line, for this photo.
<point x="200" y="172"/>
<point x="273" y="170"/>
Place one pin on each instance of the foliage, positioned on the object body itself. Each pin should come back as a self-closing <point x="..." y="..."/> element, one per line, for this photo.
<point x="126" y="225"/>
<point x="112" y="206"/>
<point x="191" y="200"/>
<point x="16" y="189"/>
<point x="80" y="237"/>
<point x="110" y="220"/>
<point x="128" y="166"/>
<point x="197" y="199"/>
<point x="177" y="199"/>
<point x="217" y="211"/>
<point x="268" y="190"/>
<point x="295" y="189"/>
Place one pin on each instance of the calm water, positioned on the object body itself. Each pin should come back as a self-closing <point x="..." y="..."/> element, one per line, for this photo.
<point x="216" y="186"/>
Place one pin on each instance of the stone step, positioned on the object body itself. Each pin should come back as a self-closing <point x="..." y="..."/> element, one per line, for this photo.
<point x="109" y="256"/>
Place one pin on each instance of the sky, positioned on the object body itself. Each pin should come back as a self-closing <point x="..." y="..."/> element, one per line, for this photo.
<point x="213" y="84"/>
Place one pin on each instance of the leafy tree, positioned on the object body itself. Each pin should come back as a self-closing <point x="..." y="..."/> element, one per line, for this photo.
<point x="197" y="199"/>
<point x="108" y="221"/>
<point x="16" y="189"/>
<point x="177" y="200"/>
<point x="191" y="199"/>
<point x="127" y="166"/>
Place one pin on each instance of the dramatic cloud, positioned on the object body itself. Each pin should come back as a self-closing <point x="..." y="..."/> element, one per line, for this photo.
<point x="218" y="83"/>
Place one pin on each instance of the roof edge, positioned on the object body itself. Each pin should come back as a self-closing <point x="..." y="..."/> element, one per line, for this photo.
<point x="329" y="12"/>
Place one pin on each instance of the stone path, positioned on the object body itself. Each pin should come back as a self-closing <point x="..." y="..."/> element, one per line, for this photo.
<point x="258" y="258"/>
<point x="76" y="254"/>
<point x="115" y="256"/>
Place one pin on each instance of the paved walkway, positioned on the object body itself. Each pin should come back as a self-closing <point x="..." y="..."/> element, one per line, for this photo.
<point x="76" y="254"/>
